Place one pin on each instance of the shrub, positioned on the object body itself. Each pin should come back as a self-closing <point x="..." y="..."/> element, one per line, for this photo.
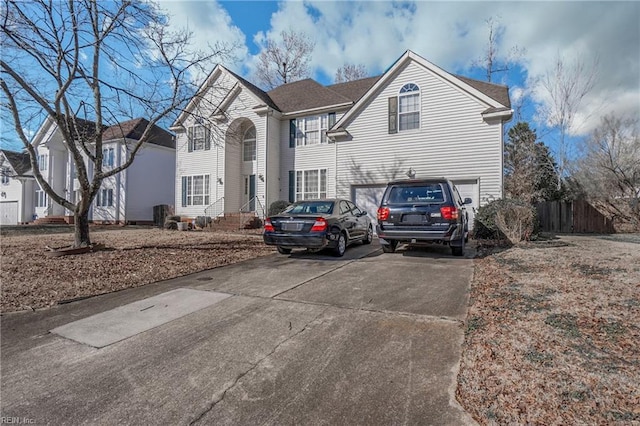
<point x="277" y="207"/>
<point x="514" y="220"/>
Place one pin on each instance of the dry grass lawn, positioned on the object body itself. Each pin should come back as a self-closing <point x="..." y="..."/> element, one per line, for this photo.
<point x="132" y="257"/>
<point x="553" y="334"/>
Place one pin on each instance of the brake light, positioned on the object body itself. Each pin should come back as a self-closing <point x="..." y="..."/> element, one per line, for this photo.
<point x="268" y="226"/>
<point x="449" y="212"/>
<point x="319" y="225"/>
<point x="383" y="213"/>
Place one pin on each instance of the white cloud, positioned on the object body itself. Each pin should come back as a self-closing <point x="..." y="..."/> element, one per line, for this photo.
<point x="209" y="24"/>
<point x="453" y="34"/>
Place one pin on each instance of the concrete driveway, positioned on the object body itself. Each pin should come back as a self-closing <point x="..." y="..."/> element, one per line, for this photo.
<point x="370" y="338"/>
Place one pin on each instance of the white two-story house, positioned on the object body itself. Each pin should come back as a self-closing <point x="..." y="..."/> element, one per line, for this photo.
<point x="240" y="148"/>
<point x="127" y="197"/>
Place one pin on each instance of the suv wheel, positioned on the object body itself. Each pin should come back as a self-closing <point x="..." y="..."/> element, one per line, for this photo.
<point x="458" y="251"/>
<point x="390" y="248"/>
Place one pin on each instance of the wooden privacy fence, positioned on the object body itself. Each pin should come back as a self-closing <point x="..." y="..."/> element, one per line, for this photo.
<point x="576" y="216"/>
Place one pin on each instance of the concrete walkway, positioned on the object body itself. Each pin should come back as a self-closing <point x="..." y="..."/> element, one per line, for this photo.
<point x="370" y="338"/>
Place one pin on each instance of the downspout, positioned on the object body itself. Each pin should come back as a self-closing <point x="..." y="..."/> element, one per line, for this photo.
<point x="266" y="165"/>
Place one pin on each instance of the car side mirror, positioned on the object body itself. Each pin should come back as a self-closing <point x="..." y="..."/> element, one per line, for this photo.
<point x="467" y="201"/>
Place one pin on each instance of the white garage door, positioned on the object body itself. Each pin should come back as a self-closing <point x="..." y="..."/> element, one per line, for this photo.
<point x="469" y="189"/>
<point x="368" y="198"/>
<point x="9" y="213"/>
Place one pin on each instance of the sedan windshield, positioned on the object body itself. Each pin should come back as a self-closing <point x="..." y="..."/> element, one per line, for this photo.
<point x="310" y="207"/>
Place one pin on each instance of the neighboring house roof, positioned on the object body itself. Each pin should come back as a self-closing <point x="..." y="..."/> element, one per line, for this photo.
<point x="133" y="129"/>
<point x="19" y="161"/>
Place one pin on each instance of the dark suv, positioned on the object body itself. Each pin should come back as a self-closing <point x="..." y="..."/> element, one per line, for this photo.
<point x="421" y="211"/>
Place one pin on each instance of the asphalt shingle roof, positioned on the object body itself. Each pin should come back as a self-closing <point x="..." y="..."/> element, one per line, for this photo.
<point x="19" y="161"/>
<point x="354" y="90"/>
<point x="305" y="94"/>
<point x="497" y="92"/>
<point x="133" y="129"/>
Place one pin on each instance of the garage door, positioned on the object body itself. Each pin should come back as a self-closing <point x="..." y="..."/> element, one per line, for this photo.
<point x="469" y="189"/>
<point x="368" y="198"/>
<point x="9" y="213"/>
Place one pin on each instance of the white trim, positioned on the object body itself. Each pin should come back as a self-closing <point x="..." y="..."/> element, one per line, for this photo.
<point x="318" y="110"/>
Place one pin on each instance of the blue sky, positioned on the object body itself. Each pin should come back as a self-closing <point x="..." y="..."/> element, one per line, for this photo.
<point x="451" y="35"/>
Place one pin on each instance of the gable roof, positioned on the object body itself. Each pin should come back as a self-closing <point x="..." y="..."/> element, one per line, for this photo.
<point x="133" y="129"/>
<point x="19" y="161"/>
<point x="495" y="97"/>
<point x="262" y="95"/>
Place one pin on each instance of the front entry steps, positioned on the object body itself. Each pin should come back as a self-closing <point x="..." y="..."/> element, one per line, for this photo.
<point x="236" y="221"/>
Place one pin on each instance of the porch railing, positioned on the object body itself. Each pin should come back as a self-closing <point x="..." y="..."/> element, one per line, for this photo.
<point x="216" y="209"/>
<point x="250" y="208"/>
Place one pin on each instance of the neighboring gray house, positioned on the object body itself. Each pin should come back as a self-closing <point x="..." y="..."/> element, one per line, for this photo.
<point x="127" y="197"/>
<point x="240" y="148"/>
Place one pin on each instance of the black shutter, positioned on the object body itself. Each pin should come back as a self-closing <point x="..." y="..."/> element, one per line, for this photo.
<point x="393" y="114"/>
<point x="207" y="139"/>
<point x="292" y="186"/>
<point x="184" y="191"/>
<point x="292" y="133"/>
<point x="190" y="139"/>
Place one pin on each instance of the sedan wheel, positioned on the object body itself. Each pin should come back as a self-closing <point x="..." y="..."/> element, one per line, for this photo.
<point x="368" y="237"/>
<point x="341" y="247"/>
<point x="283" y="250"/>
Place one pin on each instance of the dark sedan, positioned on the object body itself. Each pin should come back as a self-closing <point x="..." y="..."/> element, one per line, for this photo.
<point x="318" y="224"/>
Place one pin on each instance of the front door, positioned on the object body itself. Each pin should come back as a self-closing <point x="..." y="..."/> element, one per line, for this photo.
<point x="249" y="193"/>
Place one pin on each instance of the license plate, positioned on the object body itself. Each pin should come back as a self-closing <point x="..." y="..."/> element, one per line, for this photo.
<point x="292" y="226"/>
<point x="413" y="218"/>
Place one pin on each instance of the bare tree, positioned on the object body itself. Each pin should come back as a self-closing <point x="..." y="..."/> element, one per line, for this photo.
<point x="566" y="84"/>
<point x="609" y="169"/>
<point x="87" y="64"/>
<point x="284" y="60"/>
<point x="350" y="72"/>
<point x="490" y="61"/>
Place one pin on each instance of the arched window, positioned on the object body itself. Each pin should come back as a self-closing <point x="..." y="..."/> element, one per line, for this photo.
<point x="249" y="144"/>
<point x="409" y="107"/>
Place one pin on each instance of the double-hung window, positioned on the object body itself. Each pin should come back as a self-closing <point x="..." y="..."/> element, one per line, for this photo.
<point x="105" y="197"/>
<point x="195" y="190"/>
<point x="108" y="157"/>
<point x="5" y="177"/>
<point x="409" y="107"/>
<point x="311" y="184"/>
<point x="43" y="162"/>
<point x="198" y="137"/>
<point x="41" y="198"/>
<point x="249" y="145"/>
<point x="310" y="130"/>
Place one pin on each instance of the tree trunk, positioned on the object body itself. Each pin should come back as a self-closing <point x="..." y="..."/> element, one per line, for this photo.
<point x="81" y="234"/>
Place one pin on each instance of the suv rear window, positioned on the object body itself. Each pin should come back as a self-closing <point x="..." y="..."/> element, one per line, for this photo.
<point x="427" y="193"/>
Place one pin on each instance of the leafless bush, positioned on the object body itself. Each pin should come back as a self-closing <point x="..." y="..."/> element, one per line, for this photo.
<point x="516" y="223"/>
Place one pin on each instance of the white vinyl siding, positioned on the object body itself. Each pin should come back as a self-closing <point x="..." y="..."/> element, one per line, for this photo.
<point x="453" y="141"/>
